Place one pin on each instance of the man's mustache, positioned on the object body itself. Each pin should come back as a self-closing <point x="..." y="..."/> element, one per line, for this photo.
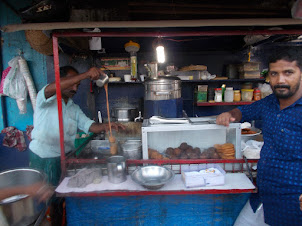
<point x="282" y="86"/>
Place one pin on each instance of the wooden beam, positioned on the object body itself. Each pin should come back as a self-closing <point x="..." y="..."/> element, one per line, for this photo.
<point x="154" y="24"/>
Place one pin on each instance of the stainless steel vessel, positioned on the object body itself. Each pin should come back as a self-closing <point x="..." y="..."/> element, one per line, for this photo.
<point x="162" y="88"/>
<point x="20" y="209"/>
<point x="116" y="167"/>
<point x="152" y="177"/>
<point x="132" y="149"/>
<point x="124" y="114"/>
<point x="152" y="69"/>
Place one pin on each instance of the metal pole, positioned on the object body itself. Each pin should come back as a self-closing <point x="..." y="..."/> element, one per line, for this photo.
<point x="59" y="100"/>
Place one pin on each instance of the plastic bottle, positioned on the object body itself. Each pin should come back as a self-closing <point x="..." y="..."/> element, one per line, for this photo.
<point x="133" y="60"/>
<point x="223" y="90"/>
<point x="257" y="94"/>
<point x="218" y="95"/>
<point x="229" y="94"/>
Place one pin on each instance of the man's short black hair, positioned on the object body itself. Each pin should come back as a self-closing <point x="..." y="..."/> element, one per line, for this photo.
<point x="288" y="54"/>
<point x="64" y="70"/>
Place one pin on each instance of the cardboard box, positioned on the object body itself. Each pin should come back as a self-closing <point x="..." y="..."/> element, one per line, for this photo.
<point x="249" y="66"/>
<point x="250" y="74"/>
<point x="115" y="63"/>
<point x="193" y="176"/>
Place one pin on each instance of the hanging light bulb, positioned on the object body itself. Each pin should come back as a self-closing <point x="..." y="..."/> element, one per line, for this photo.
<point x="160" y="54"/>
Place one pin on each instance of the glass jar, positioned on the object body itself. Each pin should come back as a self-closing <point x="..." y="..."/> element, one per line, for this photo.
<point x="257" y="94"/>
<point x="218" y="95"/>
<point x="229" y="94"/>
<point x="237" y="96"/>
<point x="247" y="94"/>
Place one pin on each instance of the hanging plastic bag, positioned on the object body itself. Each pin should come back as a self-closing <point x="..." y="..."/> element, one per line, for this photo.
<point x="29" y="81"/>
<point x="14" y="85"/>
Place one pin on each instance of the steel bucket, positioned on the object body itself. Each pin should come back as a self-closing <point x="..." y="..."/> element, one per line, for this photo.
<point x="116" y="167"/>
<point x="20" y="209"/>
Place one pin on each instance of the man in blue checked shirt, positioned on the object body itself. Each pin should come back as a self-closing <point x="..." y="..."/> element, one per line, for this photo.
<point x="279" y="176"/>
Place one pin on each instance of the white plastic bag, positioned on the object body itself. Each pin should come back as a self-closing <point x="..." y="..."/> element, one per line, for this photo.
<point x="205" y="75"/>
<point x="251" y="149"/>
<point x="14" y="85"/>
<point x="265" y="89"/>
<point x="247" y="217"/>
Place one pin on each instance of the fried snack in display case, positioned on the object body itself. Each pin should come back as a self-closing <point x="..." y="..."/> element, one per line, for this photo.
<point x="201" y="138"/>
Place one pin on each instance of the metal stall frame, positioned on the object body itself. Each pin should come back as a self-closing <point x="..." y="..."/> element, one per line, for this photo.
<point x="65" y="161"/>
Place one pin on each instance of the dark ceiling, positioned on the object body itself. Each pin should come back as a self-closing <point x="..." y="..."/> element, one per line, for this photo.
<point x="188" y="9"/>
<point x="135" y="10"/>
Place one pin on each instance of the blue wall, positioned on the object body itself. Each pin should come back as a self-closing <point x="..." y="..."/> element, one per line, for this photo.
<point x="13" y="44"/>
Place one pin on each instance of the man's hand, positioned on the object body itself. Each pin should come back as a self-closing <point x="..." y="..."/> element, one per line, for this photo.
<point x="41" y="191"/>
<point x="114" y="126"/>
<point x="97" y="127"/>
<point x="94" y="73"/>
<point x="230" y="116"/>
<point x="225" y="119"/>
<point x="300" y="199"/>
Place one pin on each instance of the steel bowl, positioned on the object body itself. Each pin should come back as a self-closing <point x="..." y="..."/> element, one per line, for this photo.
<point x="152" y="177"/>
<point x="20" y="209"/>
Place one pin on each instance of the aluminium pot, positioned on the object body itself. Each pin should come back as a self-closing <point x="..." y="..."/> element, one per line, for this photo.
<point x="126" y="114"/>
<point x="20" y="209"/>
<point x="163" y="88"/>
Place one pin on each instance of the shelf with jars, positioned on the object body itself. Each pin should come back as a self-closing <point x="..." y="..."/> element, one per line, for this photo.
<point x="228" y="94"/>
<point x="224" y="103"/>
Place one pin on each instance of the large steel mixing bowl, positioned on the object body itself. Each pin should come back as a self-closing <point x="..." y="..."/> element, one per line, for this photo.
<point x="20" y="209"/>
<point x="152" y="177"/>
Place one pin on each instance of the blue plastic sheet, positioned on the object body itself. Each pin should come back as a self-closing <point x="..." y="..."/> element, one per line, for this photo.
<point x="155" y="210"/>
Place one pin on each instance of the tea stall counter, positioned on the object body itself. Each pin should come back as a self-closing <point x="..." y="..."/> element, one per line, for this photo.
<point x="129" y="203"/>
<point x="206" y="207"/>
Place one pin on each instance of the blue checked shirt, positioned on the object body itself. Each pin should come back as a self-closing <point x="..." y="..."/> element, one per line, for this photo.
<point x="279" y="174"/>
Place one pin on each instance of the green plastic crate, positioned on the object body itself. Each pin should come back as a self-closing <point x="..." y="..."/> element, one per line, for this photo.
<point x="79" y="141"/>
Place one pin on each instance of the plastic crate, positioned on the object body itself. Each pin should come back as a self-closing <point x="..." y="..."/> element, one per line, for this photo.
<point x="81" y="140"/>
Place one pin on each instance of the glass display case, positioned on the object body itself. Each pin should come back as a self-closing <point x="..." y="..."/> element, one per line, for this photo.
<point x="200" y="138"/>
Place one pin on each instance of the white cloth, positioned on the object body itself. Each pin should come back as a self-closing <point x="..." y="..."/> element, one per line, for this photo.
<point x="45" y="135"/>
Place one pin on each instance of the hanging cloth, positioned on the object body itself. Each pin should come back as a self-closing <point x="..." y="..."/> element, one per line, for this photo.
<point x="14" y="138"/>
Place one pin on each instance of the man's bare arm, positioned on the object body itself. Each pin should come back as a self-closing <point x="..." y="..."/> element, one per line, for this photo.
<point x="66" y="82"/>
